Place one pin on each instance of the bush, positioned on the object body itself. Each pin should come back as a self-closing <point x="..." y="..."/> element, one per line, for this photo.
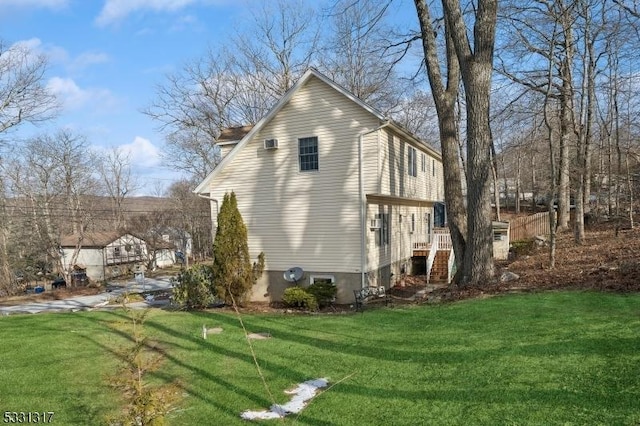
<point x="297" y="297"/>
<point x="232" y="269"/>
<point x="194" y="287"/>
<point x="325" y="293"/>
<point x="523" y="247"/>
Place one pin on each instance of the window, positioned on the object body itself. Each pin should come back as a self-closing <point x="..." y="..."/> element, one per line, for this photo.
<point x="116" y="252"/>
<point x="424" y="162"/>
<point x="412" y="162"/>
<point x="433" y="167"/>
<point x="308" y="153"/>
<point x="322" y="279"/>
<point x="382" y="234"/>
<point x="413" y="223"/>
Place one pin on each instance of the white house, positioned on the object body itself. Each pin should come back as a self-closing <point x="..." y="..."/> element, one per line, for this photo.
<point x="326" y="183"/>
<point x="105" y="255"/>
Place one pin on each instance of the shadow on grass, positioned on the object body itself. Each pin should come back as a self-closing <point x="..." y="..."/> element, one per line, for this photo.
<point x="366" y="348"/>
<point x="206" y="345"/>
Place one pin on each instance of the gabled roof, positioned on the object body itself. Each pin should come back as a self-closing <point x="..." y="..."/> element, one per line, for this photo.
<point x="203" y="188"/>
<point x="91" y="239"/>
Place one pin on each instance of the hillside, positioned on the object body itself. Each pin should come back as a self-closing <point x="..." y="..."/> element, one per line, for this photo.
<point x="605" y="262"/>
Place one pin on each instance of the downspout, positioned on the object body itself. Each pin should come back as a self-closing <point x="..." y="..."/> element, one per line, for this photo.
<point x="363" y="205"/>
<point x="215" y="200"/>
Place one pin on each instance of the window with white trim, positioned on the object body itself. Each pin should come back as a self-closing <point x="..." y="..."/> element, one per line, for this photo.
<point x="413" y="223"/>
<point x="424" y="162"/>
<point x="382" y="234"/>
<point x="308" y="153"/>
<point x="412" y="162"/>
<point x="322" y="279"/>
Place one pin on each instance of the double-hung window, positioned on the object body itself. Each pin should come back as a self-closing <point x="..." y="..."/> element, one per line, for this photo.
<point x="412" y="162"/>
<point x="308" y="153"/>
<point x="424" y="162"/>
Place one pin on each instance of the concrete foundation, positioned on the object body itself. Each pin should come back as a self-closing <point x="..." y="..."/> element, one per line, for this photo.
<point x="271" y="285"/>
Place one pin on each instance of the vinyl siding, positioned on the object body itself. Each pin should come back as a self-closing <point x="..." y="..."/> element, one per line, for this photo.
<point x="392" y="177"/>
<point x="306" y="219"/>
<point x="401" y="239"/>
<point x="226" y="149"/>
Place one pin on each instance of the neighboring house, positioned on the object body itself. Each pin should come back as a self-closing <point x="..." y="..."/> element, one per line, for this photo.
<point x="105" y="255"/>
<point x="327" y="183"/>
<point x="180" y="239"/>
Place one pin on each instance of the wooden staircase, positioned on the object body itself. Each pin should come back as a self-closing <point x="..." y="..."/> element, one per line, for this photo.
<point x="440" y="268"/>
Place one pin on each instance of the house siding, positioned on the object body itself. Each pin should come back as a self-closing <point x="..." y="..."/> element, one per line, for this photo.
<point x="392" y="177"/>
<point x="397" y="254"/>
<point x="226" y="149"/>
<point x="103" y="263"/>
<point x="306" y="219"/>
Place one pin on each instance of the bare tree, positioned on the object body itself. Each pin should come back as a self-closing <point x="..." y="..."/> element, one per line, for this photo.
<point x="192" y="220"/>
<point x="278" y="47"/>
<point x="52" y="176"/>
<point x="115" y="172"/>
<point x="228" y="88"/>
<point x="360" y="55"/>
<point x="23" y="96"/>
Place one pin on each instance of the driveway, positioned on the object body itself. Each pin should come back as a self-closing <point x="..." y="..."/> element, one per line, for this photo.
<point x="94" y="301"/>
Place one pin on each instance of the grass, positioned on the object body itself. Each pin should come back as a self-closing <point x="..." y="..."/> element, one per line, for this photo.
<point x="547" y="358"/>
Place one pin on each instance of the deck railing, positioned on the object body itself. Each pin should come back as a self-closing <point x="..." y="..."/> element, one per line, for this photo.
<point x="431" y="258"/>
<point x="451" y="267"/>
<point x="440" y="239"/>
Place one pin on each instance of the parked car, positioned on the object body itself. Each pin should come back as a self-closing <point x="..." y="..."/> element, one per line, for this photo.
<point x="58" y="282"/>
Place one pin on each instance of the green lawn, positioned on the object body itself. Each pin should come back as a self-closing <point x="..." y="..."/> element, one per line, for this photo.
<point x="547" y="359"/>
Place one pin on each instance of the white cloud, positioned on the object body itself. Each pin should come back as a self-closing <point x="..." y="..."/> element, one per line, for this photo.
<point x="141" y="153"/>
<point x="32" y="44"/>
<point x="89" y="58"/>
<point x="74" y="97"/>
<point x="115" y="10"/>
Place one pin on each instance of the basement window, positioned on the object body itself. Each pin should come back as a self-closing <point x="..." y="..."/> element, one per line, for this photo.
<point x="322" y="279"/>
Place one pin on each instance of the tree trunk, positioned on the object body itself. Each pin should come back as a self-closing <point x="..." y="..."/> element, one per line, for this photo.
<point x="476" y="68"/>
<point x="445" y="95"/>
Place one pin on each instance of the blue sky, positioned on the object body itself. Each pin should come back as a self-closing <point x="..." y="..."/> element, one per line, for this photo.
<point x="107" y="56"/>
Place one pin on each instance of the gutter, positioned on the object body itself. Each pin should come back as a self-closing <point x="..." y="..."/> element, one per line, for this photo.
<point x="363" y="205"/>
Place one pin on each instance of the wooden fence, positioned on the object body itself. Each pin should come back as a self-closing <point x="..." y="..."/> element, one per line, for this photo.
<point x="529" y="226"/>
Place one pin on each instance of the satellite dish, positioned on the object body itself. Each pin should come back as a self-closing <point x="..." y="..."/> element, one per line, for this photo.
<point x="293" y="275"/>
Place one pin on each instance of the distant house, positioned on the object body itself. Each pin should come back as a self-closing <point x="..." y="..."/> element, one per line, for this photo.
<point x="104" y="255"/>
<point x="326" y="183"/>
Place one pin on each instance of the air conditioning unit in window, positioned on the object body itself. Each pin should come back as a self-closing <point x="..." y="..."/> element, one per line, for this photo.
<point x="375" y="224"/>
<point x="270" y="143"/>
